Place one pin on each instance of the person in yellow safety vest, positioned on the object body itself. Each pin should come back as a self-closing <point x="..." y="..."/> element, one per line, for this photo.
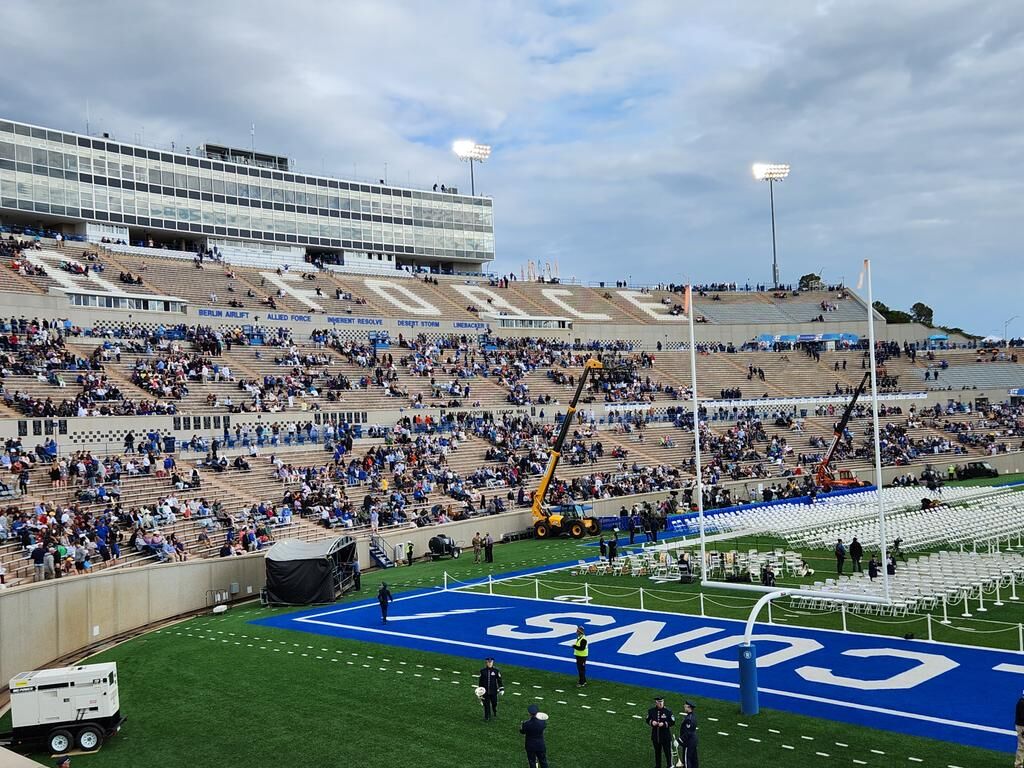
<point x="580" y="651"/>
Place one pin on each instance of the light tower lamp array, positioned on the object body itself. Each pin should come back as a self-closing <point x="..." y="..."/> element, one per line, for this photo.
<point x="468" y="150"/>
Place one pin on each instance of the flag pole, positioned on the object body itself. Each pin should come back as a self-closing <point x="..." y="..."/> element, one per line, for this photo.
<point x="874" y="419"/>
<point x="696" y="433"/>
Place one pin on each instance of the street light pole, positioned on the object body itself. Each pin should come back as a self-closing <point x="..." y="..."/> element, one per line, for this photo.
<point x="772" y="172"/>
<point x="1006" y="327"/>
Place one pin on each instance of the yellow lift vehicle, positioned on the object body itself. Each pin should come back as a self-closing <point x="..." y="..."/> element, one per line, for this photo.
<point x="566" y="520"/>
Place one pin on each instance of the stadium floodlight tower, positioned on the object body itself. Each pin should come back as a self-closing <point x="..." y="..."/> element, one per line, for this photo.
<point x="772" y="172"/>
<point x="469" y="150"/>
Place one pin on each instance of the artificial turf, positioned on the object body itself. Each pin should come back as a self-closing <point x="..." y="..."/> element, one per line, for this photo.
<point x="219" y="691"/>
<point x="980" y="481"/>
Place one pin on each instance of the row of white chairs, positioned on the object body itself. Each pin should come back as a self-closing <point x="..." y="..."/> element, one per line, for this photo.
<point x="789" y="520"/>
<point x="922" y="584"/>
<point x="951" y="524"/>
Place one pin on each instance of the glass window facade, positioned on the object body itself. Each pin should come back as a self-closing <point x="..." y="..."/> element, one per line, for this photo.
<point x="84" y="178"/>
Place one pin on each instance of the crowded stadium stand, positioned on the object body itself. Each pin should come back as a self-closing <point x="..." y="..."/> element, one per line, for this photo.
<point x="196" y="366"/>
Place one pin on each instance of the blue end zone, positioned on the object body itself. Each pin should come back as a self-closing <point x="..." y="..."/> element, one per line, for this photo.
<point x="958" y="694"/>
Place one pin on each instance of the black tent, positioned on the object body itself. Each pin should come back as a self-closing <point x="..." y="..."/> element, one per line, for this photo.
<point x="308" y="572"/>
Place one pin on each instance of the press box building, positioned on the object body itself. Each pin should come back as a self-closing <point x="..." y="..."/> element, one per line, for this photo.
<point x="233" y="199"/>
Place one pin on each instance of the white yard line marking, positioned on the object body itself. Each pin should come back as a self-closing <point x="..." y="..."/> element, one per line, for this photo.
<point x="538" y="687"/>
<point x="652" y="673"/>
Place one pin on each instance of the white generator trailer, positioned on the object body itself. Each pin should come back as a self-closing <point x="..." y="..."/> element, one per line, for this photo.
<point x="65" y="708"/>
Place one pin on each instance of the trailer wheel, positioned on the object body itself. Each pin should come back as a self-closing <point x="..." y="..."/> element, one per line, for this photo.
<point x="59" y="741"/>
<point x="89" y="738"/>
<point x="577" y="531"/>
<point x="456" y="552"/>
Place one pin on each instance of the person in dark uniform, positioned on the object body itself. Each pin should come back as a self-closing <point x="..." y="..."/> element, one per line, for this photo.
<point x="488" y="548"/>
<point x="580" y="651"/>
<point x="688" y="737"/>
<point x="613" y="549"/>
<point x="408" y="553"/>
<point x="490" y="681"/>
<point x="660" y="718"/>
<point x="384" y="597"/>
<point x="536" y="749"/>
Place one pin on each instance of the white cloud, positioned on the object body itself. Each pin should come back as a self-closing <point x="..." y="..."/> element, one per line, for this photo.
<point x="623" y="133"/>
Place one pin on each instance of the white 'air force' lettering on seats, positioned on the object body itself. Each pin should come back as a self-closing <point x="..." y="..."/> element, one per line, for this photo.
<point x="479" y="295"/>
<point x="385" y="289"/>
<point x="551" y="623"/>
<point x="651" y="308"/>
<point x="552" y="295"/>
<point x="286" y="282"/>
<point x="796" y="647"/>
<point x="929" y="665"/>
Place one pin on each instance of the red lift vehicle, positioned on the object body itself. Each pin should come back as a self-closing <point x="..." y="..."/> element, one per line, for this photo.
<point x="825" y="477"/>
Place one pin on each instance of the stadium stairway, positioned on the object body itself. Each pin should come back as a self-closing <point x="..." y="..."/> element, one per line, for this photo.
<point x="379" y="552"/>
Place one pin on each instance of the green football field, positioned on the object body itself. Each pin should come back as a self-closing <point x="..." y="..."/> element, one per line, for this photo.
<point x="218" y="691"/>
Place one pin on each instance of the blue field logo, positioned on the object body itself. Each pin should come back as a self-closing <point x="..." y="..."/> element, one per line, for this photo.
<point x="913" y="687"/>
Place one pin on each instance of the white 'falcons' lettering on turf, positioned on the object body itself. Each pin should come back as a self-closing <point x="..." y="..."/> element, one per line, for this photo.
<point x="440" y="614"/>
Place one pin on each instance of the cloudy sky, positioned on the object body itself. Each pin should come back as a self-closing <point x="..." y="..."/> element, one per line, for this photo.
<point x="623" y="133"/>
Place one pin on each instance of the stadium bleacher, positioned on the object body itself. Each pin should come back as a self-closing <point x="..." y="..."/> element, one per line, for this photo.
<point x="255" y="352"/>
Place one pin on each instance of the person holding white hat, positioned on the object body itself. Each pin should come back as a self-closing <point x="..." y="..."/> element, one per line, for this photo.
<point x="533" y="729"/>
<point x="490" y="681"/>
